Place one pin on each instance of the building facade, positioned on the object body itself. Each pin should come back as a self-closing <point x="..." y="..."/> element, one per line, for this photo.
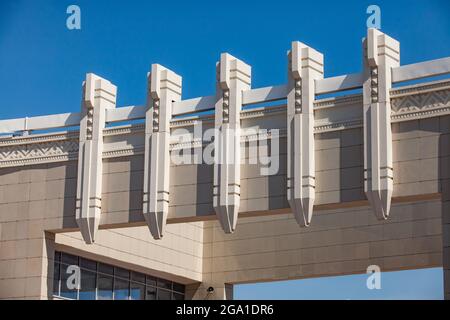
<point x="315" y="177"/>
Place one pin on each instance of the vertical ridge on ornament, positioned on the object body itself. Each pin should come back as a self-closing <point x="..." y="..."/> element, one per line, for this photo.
<point x="164" y="88"/>
<point x="304" y="67"/>
<point x="233" y="77"/>
<point x="98" y="95"/>
<point x="381" y="54"/>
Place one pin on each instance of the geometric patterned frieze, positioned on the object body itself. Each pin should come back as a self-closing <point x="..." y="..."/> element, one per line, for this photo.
<point x="421" y="102"/>
<point x="17" y="155"/>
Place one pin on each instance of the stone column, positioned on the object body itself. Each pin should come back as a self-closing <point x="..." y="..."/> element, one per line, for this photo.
<point x="233" y="77"/>
<point x="164" y="87"/>
<point x="98" y="95"/>
<point x="381" y="54"/>
<point x="305" y="66"/>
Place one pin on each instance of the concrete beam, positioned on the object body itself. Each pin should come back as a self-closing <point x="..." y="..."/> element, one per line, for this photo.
<point x="432" y="68"/>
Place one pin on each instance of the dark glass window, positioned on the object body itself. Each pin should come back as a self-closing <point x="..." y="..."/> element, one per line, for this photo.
<point x="69" y="259"/>
<point x="137" y="291"/>
<point x="178" y="287"/>
<point x="119" y="272"/>
<point x="164" y="294"/>
<point x="138" y="277"/>
<point x="151" y="281"/>
<point x="164" y="284"/>
<point x="177" y="296"/>
<point x="121" y="289"/>
<point x="150" y="293"/>
<point x="88" y="264"/>
<point x="102" y="281"/>
<point x="105" y="268"/>
<point x="88" y="285"/>
<point x="105" y="287"/>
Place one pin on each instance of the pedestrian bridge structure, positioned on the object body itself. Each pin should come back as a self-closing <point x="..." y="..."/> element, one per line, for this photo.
<point x="314" y="177"/>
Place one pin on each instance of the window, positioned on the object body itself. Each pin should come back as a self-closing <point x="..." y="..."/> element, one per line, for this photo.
<point x="100" y="281"/>
<point x="105" y="287"/>
<point x="88" y="285"/>
<point x="137" y="291"/>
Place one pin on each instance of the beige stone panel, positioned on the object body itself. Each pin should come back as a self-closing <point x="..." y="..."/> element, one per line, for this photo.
<point x="36" y="287"/>
<point x="37" y="210"/>
<point x="416" y="188"/>
<point x="16" y="192"/>
<point x="327" y="140"/>
<point x="352" y="137"/>
<point x="406" y="149"/>
<point x="12" y="288"/>
<point x="407" y="246"/>
<point x="327" y="159"/>
<point x="444" y="145"/>
<point x="122" y="201"/>
<point x="429" y="127"/>
<point x="13" y="268"/>
<point x="124" y="164"/>
<point x="55" y="189"/>
<point x="182" y="211"/>
<point x="13" y="249"/>
<point x="352" y="156"/>
<point x="429" y="169"/>
<point x="62" y="171"/>
<point x="429" y="146"/>
<point x="328" y="180"/>
<point x="191" y="194"/>
<point x="407" y="172"/>
<point x="123" y="181"/>
<point x="38" y="173"/>
<point x="406" y="130"/>
<point x="349" y="195"/>
<point x="326" y="197"/>
<point x="426" y="260"/>
<point x="38" y="190"/>
<point x="191" y="174"/>
<point x="10" y="176"/>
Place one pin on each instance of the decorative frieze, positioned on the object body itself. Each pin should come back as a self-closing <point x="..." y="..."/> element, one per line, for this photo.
<point x="28" y="154"/>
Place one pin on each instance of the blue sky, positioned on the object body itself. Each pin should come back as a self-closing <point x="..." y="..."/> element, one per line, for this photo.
<point x="42" y="66"/>
<point x="400" y="285"/>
